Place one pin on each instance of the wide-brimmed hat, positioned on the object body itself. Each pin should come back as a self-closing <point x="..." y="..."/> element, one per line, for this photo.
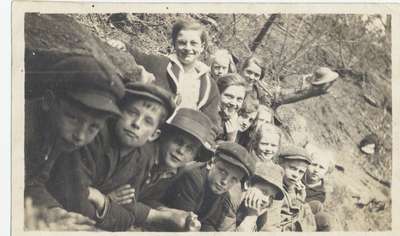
<point x="324" y="75"/>
<point x="85" y="80"/>
<point x="153" y="92"/>
<point x="237" y="155"/>
<point x="198" y="125"/>
<point x="272" y="174"/>
<point x="292" y="152"/>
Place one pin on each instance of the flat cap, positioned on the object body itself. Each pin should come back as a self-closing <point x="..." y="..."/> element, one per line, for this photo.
<point x="271" y="173"/>
<point x="196" y="124"/>
<point x="293" y="152"/>
<point x="236" y="155"/>
<point x="86" y="80"/>
<point x="153" y="92"/>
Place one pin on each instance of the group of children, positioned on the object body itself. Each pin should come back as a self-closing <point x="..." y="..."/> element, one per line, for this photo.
<point x="197" y="149"/>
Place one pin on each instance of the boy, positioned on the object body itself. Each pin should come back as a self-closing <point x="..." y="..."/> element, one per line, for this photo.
<point x="182" y="72"/>
<point x="182" y="141"/>
<point x="69" y="116"/>
<point x="322" y="162"/>
<point x="122" y="154"/>
<point x="295" y="214"/>
<point x="261" y="205"/>
<point x="204" y="189"/>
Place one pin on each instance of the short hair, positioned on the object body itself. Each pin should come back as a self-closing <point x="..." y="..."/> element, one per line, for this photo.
<point x="254" y="60"/>
<point x="231" y="79"/>
<point x="223" y="53"/>
<point x="189" y="24"/>
<point x="128" y="99"/>
<point x="264" y="129"/>
<point x="317" y="150"/>
<point x="263" y="107"/>
<point x="250" y="104"/>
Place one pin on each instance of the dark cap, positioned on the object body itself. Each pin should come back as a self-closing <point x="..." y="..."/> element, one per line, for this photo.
<point x="85" y="80"/>
<point x="271" y="173"/>
<point x="198" y="125"/>
<point x="236" y="155"/>
<point x="292" y="152"/>
<point x="153" y="92"/>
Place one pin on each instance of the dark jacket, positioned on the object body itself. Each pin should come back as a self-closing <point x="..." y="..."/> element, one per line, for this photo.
<point x="101" y="166"/>
<point x="40" y="155"/>
<point x="317" y="193"/>
<point x="156" y="184"/>
<point x="167" y="70"/>
<point x="191" y="192"/>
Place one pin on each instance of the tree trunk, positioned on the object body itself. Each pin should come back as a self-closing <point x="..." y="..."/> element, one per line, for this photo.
<point x="263" y="32"/>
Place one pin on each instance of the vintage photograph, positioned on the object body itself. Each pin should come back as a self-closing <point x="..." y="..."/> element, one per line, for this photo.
<point x="206" y="122"/>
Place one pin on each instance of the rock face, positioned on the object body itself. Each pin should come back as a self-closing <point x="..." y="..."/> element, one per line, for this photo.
<point x="51" y="37"/>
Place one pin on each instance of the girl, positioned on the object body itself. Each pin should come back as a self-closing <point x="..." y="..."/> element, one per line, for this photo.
<point x="266" y="143"/>
<point x="247" y="120"/>
<point x="232" y="88"/>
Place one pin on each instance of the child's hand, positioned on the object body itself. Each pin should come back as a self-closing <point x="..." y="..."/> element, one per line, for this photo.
<point x="60" y="219"/>
<point x="145" y="76"/>
<point x="232" y="125"/>
<point x="117" y="44"/>
<point x="122" y="195"/>
<point x="97" y="198"/>
<point x="192" y="223"/>
<point x="256" y="201"/>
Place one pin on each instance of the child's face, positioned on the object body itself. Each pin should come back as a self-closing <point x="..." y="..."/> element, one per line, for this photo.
<point x="188" y="46"/>
<point x="139" y="123"/>
<point x="264" y="116"/>
<point x="317" y="169"/>
<point x="223" y="176"/>
<point x="219" y="67"/>
<point x="268" y="146"/>
<point x="232" y="99"/>
<point x="252" y="73"/>
<point x="293" y="171"/>
<point x="75" y="126"/>
<point x="268" y="190"/>
<point x="246" y="120"/>
<point x="179" y="148"/>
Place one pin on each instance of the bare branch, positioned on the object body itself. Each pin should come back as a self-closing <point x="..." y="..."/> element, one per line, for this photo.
<point x="263" y="32"/>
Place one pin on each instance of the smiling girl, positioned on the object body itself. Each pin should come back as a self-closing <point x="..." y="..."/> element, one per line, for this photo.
<point x="233" y="91"/>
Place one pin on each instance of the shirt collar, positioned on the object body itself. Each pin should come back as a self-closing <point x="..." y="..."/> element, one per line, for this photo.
<point x="199" y="66"/>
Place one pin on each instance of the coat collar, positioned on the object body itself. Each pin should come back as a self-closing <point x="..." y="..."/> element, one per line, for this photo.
<point x="175" y="68"/>
<point x="199" y="66"/>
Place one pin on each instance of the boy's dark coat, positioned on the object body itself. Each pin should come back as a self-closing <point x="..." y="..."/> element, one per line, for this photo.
<point x="39" y="155"/>
<point x="317" y="193"/>
<point x="100" y="166"/>
<point x="192" y="193"/>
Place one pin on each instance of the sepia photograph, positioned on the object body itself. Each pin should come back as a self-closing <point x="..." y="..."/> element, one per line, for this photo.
<point x="203" y="120"/>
